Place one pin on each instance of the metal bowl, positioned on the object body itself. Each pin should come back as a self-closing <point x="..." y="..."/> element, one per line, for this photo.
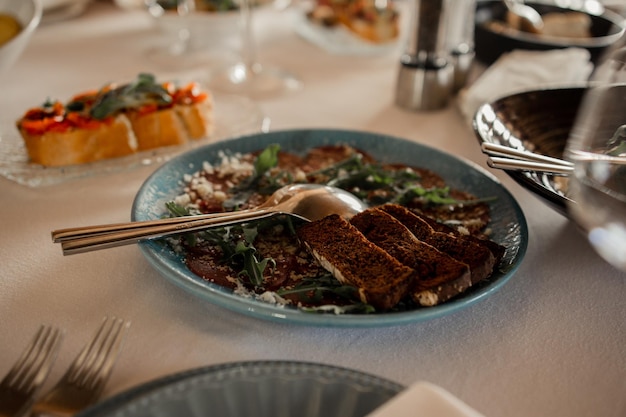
<point x="606" y="28"/>
<point x="539" y="121"/>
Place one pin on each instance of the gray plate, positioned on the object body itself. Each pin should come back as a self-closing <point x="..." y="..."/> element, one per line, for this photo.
<point x="260" y="389"/>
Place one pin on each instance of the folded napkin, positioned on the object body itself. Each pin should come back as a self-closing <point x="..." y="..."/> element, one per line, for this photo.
<point x="425" y="400"/>
<point x="522" y="70"/>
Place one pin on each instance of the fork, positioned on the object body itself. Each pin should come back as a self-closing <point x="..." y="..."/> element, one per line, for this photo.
<point x="19" y="386"/>
<point x="86" y="377"/>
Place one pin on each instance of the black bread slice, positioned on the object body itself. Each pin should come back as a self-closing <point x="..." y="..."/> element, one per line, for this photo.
<point x="438" y="276"/>
<point x="340" y="248"/>
<point x="496" y="249"/>
<point x="479" y="258"/>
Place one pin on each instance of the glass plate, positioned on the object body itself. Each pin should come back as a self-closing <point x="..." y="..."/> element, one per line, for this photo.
<point x="234" y="115"/>
<point x="260" y="389"/>
<point x="508" y="224"/>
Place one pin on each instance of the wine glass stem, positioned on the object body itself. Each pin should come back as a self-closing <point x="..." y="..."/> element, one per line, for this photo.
<point x="248" y="52"/>
<point x="184" y="8"/>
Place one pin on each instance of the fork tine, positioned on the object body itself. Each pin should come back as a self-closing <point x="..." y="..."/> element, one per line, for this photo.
<point x="93" y="365"/>
<point x="101" y="354"/>
<point x="86" y="377"/>
<point x="33" y="366"/>
<point x="27" y="356"/>
<point x="19" y="386"/>
<point x="51" y="349"/>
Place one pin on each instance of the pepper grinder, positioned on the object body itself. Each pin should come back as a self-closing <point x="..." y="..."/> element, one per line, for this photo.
<point x="426" y="75"/>
<point x="460" y="40"/>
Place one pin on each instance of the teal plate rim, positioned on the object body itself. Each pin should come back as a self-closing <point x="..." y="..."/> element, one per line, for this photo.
<point x="508" y="223"/>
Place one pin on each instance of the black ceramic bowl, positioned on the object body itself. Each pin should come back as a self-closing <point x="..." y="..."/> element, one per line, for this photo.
<point x="490" y="43"/>
<point x="538" y="121"/>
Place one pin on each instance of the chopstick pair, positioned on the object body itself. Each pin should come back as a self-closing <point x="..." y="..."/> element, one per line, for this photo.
<point x="507" y="158"/>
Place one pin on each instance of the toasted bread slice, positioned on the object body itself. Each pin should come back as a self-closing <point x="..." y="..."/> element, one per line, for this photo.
<point x="496" y="249"/>
<point x="158" y="128"/>
<point x="438" y="277"/>
<point x="81" y="145"/>
<point x="479" y="257"/>
<point x="197" y="119"/>
<point x="382" y="280"/>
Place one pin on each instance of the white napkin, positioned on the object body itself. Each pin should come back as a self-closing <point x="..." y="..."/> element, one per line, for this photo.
<point x="522" y="70"/>
<point x="425" y="400"/>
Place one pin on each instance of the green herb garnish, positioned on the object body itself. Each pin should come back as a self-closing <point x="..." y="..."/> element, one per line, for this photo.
<point x="144" y="90"/>
<point x="263" y="163"/>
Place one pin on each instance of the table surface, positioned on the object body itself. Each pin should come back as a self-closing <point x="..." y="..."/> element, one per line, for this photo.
<point x="551" y="342"/>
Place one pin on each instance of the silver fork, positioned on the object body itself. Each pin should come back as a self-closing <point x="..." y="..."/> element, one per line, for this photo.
<point x="19" y="386"/>
<point x="86" y="377"/>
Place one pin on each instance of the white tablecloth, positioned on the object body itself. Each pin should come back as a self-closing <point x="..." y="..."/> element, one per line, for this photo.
<point x="551" y="342"/>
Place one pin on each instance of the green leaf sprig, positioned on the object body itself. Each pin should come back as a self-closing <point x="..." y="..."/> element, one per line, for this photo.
<point x="263" y="163"/>
<point x="143" y="90"/>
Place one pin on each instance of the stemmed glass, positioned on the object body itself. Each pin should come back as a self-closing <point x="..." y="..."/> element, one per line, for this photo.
<point x="597" y="146"/>
<point x="176" y="16"/>
<point x="248" y="76"/>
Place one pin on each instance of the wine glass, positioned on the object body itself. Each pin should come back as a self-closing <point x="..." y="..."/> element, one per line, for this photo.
<point x="597" y="147"/>
<point x="183" y="19"/>
<point x="248" y="76"/>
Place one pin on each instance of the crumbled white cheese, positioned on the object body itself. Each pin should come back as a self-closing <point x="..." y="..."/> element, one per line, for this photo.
<point x="299" y="175"/>
<point x="272" y="298"/>
<point x="219" y="195"/>
<point x="427" y="298"/>
<point x="182" y="200"/>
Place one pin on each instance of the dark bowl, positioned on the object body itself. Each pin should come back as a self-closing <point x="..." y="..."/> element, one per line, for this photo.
<point x="538" y="121"/>
<point x="606" y="28"/>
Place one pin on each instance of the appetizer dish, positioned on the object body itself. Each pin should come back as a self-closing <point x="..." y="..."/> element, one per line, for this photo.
<point x="567" y="25"/>
<point x="281" y="268"/>
<point x="419" y="244"/>
<point x="366" y="19"/>
<point x="570" y="24"/>
<point x="116" y="121"/>
<point x="209" y="6"/>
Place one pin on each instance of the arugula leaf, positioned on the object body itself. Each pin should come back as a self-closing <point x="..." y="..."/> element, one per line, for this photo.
<point x="144" y="90"/>
<point x="266" y="160"/>
<point x="253" y="268"/>
<point x="263" y="163"/>
<point x="176" y="210"/>
<point x="313" y="289"/>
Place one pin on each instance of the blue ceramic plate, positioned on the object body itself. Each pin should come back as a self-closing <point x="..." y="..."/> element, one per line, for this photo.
<point x="261" y="389"/>
<point x="508" y="222"/>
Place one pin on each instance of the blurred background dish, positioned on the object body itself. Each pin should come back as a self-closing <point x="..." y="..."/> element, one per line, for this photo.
<point x="19" y="21"/>
<point x="539" y="121"/>
<point x="234" y="115"/>
<point x="573" y="24"/>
